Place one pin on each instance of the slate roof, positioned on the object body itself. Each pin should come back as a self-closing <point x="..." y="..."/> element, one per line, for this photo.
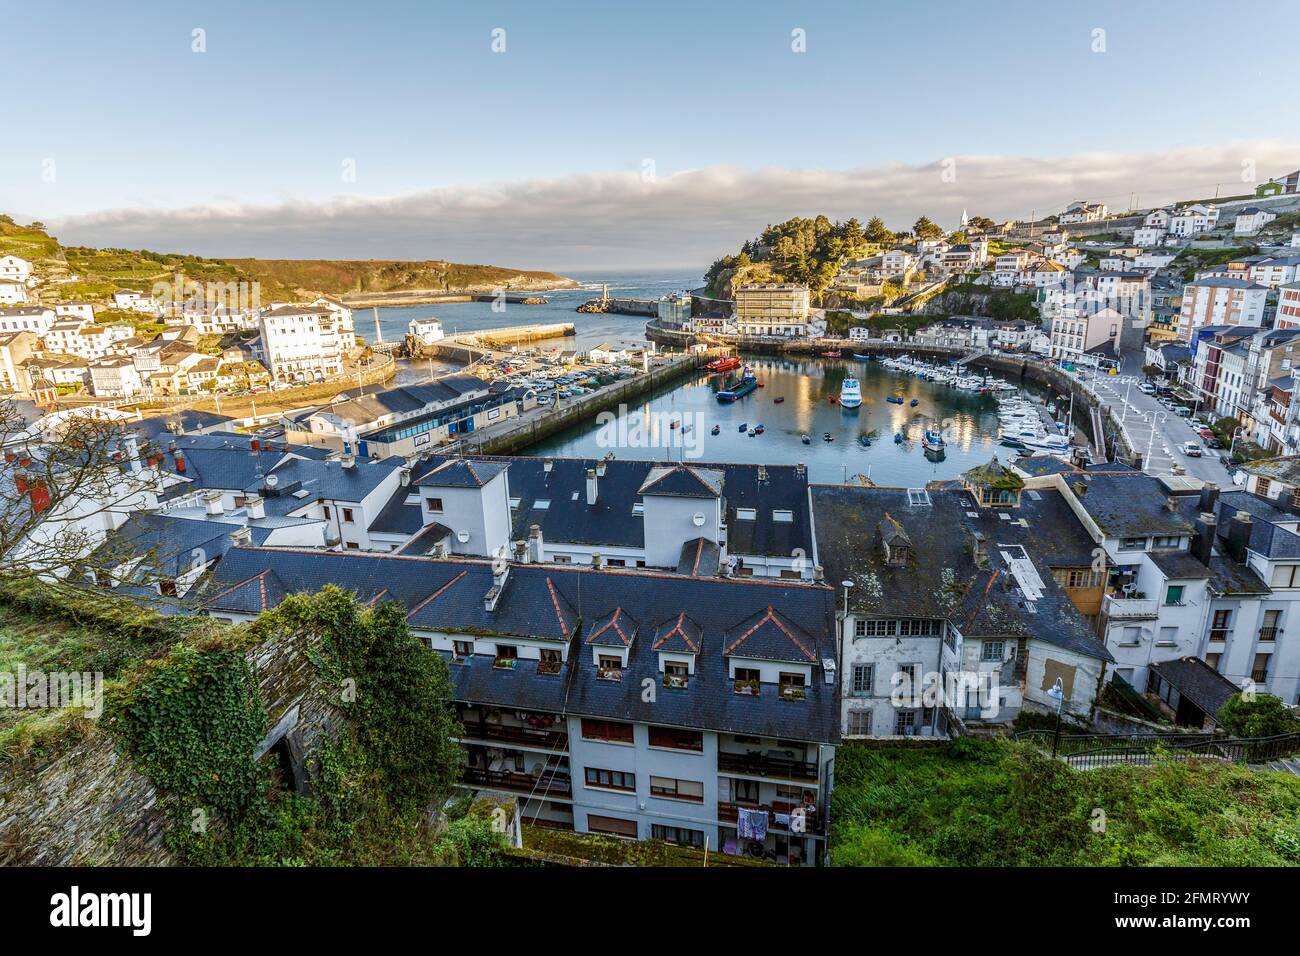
<point x="1128" y="504"/>
<point x="700" y="556"/>
<point x="169" y="544"/>
<point x="678" y="635"/>
<point x="769" y="635"/>
<point x="362" y="407"/>
<point x="685" y="481"/>
<point x="1228" y="577"/>
<point x="460" y="473"/>
<point x="547" y="602"/>
<point x="614" y="629"/>
<point x="942" y="578"/>
<point x="1179" y="565"/>
<point x="1198" y="682"/>
<point x="1285" y="469"/>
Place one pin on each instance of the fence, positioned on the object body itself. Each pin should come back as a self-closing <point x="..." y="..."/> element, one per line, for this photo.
<point x="1087" y="751"/>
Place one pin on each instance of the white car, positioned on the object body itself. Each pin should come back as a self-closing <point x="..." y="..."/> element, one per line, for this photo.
<point x="1147" y="387"/>
<point x="1192" y="449"/>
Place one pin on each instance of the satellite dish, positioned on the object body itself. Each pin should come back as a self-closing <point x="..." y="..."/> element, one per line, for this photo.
<point x="272" y="481"/>
<point x="698" y="519"/>
<point x="462" y="536"/>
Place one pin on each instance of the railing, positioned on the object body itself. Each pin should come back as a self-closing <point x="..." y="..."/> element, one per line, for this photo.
<point x="548" y="739"/>
<point x="727" y="813"/>
<point x="1268" y="633"/>
<point x="766" y="765"/>
<point x="550" y="783"/>
<point x="1130" y="609"/>
<point x="1087" y="751"/>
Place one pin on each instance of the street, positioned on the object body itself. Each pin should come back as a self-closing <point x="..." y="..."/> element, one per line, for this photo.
<point x="1155" y="432"/>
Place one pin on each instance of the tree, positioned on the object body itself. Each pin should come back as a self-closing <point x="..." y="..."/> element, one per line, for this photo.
<point x="923" y="228"/>
<point x="981" y="223"/>
<point x="878" y="232"/>
<point x="1262" y="715"/>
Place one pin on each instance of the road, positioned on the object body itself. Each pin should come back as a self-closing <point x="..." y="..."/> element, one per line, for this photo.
<point x="1142" y="414"/>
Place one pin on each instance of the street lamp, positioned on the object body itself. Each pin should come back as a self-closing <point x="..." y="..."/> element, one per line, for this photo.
<point x="1057" y="693"/>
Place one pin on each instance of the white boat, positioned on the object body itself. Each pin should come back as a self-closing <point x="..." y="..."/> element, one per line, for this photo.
<point x="850" y="393"/>
<point x="1048" y="443"/>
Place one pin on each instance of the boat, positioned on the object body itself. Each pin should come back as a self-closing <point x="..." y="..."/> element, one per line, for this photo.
<point x="932" y="440"/>
<point x="828" y="437"/>
<point x="744" y="427"/>
<point x="725" y="364"/>
<point x="762" y="385"/>
<point x="716" y="429"/>
<point x="752" y="433"/>
<point x="864" y="441"/>
<point x="835" y="354"/>
<point x="807" y="440"/>
<point x="779" y="399"/>
<point x="739" y="389"/>
<point x="861" y="358"/>
<point x="1011" y="442"/>
<point x="934" y="454"/>
<point x="896" y="399"/>
<point x="915" y="402"/>
<point x="674" y="423"/>
<point x="831" y="399"/>
<point x="899" y="438"/>
<point x="759" y="429"/>
<point x="1048" y="443"/>
<point x="850" y="393"/>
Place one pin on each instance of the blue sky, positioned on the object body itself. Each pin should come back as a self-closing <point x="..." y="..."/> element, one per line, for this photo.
<point x="138" y="124"/>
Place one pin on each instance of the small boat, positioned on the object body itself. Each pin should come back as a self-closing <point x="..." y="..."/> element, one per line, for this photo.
<point x="864" y="441"/>
<point x="915" y="402"/>
<point x="934" y="454"/>
<point x="779" y="399"/>
<point x="835" y="354"/>
<point x="674" y="423"/>
<point x="744" y="427"/>
<point x="828" y="437"/>
<point x="932" y="440"/>
<point x="716" y="429"/>
<point x="850" y="393"/>
<point x="896" y="399"/>
<point x="1010" y="442"/>
<point x="759" y="429"/>
<point x="899" y="438"/>
<point x="806" y="440"/>
<point x="762" y="385"/>
<point x="861" y="358"/>
<point x="752" y="433"/>
<point x="831" y="399"/>
<point x="723" y="364"/>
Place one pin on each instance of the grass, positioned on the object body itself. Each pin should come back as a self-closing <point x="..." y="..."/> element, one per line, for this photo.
<point x="544" y="843"/>
<point x="998" y="803"/>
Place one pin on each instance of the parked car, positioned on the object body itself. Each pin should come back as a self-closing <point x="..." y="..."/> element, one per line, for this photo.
<point x="1192" y="449"/>
<point x="1147" y="387"/>
<point x="1213" y="443"/>
<point x="1205" y="433"/>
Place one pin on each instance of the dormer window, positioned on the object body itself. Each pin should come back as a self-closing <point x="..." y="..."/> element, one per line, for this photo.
<point x="462" y="651"/>
<point x="792" y="686"/>
<point x="507" y="657"/>
<point x="676" y="674"/>
<point x="897" y="554"/>
<point x="747" y="681"/>
<point x="434" y="505"/>
<point x="550" y="661"/>
<point x="609" y="667"/>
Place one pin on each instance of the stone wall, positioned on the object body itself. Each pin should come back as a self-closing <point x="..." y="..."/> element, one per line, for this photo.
<point x="91" y="805"/>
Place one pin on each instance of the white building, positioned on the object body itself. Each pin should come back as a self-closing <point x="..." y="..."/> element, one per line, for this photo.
<point x="1148" y="236"/>
<point x="1083" y="212"/>
<point x="12" y="267"/>
<point x="131" y="301"/>
<point x="301" y="343"/>
<point x="1220" y="301"/>
<point x="12" y="292"/>
<point x="1077" y="332"/>
<point x="1276" y="271"/>
<point x="115" y="377"/>
<point x="1251" y="220"/>
<point x="772" y="310"/>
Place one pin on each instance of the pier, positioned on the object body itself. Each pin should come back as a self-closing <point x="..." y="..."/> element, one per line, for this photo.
<point x="469" y="347"/>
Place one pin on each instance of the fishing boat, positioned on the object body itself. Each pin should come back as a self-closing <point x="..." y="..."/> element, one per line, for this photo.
<point x="674" y="423"/>
<point x="716" y="429"/>
<point x="806" y="439"/>
<point x="899" y="438"/>
<point x="932" y="440"/>
<point x="779" y="399"/>
<point x="850" y="393"/>
<point x="759" y="429"/>
<point x="739" y="389"/>
<point x="861" y="358"/>
<point x="744" y="427"/>
<point x="934" y="454"/>
<point x="864" y="441"/>
<point x="725" y="364"/>
<point x="896" y="399"/>
<point x="828" y="437"/>
<point x="835" y="354"/>
<point x="752" y="433"/>
<point x="915" y="402"/>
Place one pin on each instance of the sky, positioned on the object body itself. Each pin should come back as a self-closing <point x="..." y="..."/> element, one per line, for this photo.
<point x="579" y="136"/>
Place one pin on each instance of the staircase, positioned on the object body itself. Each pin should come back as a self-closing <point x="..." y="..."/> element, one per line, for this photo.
<point x="1289" y="765"/>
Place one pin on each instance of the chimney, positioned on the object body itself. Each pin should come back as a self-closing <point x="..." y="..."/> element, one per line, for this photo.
<point x="241" y="538"/>
<point x="980" y="546"/>
<point x="592" y="488"/>
<point x="800" y="470"/>
<point x="213" y="502"/>
<point x="349" y="461"/>
<point x="1210" y="498"/>
<point x="171" y="446"/>
<point x="40" y="496"/>
<point x="535" y="549"/>
<point x="1171" y="503"/>
<point x="255" y="445"/>
<point x="180" y="463"/>
<point x="500" y="571"/>
<point x="521" y="552"/>
<point x="131" y="445"/>
<point x="600" y="468"/>
<point x="405" y="477"/>
<point x="762" y="473"/>
<point x="595" y="559"/>
<point x="20" y="482"/>
<point x="256" y="507"/>
<point x="1203" y="543"/>
<point x="819" y="574"/>
<point x="1239" y="536"/>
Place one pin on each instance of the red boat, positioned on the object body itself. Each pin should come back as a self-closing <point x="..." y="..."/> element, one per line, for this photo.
<point x="723" y="364"/>
<point x="835" y="354"/>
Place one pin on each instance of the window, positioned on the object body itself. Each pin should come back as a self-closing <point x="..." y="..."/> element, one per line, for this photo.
<point x="1169" y="541"/>
<point x="1175" y="594"/>
<point x="672" y="789"/>
<point x="435" y="504"/>
<point x="638" y="509"/>
<point x="1168" y="637"/>
<point x="747" y="680"/>
<point x="609" y="731"/>
<point x="678" y="835"/>
<point x="992" y="651"/>
<point x="611" y="779"/>
<point x="746" y="514"/>
<point x="1132" y="544"/>
<point x="1286" y="576"/>
<point x="612" y="826"/>
<point x="744" y="791"/>
<point x="617" y="562"/>
<point x="609" y="667"/>
<point x="507" y="656"/>
<point x="541" y="504"/>
<point x="347" y="515"/>
<point x="673" y="739"/>
<point x="462" y="650"/>
<point x="791" y="686"/>
<point x="905" y="724"/>
<point x="1080" y="578"/>
<point x="676" y="674"/>
<point x="880" y="628"/>
<point x="1213" y="660"/>
<point x="1259" y="673"/>
<point x="859" y="628"/>
<point x="1261" y="487"/>
<point x="859" y="723"/>
<point x="550" y="661"/>
<point x="1269" y="629"/>
<point x="784" y="517"/>
<point x="863" y="679"/>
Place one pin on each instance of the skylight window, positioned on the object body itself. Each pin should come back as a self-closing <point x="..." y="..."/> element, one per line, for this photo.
<point x="785" y="517"/>
<point x="541" y="504"/>
<point x="514" y="502"/>
<point x="746" y="514"/>
<point x="638" y="508"/>
<point x="918" y="497"/>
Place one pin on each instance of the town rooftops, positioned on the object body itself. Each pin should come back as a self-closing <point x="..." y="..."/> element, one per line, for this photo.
<point x="1285" y="469"/>
<point x="546" y="603"/>
<point x="1226" y="282"/>
<point x="1128" y="504"/>
<point x="683" y="481"/>
<point x="289" y="311"/>
<point x="460" y="473"/>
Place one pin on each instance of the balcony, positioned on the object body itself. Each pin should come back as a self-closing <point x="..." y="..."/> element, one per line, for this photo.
<point x="525" y="736"/>
<point x="757" y="764"/>
<point x="1269" y="633"/>
<point x="1131" y="609"/>
<point x="550" y="783"/>
<point x="727" y="814"/>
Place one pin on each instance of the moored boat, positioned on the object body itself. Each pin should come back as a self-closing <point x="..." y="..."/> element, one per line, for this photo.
<point x="850" y="393"/>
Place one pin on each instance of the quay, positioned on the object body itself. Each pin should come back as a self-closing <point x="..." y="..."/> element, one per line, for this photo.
<point x="470" y="347"/>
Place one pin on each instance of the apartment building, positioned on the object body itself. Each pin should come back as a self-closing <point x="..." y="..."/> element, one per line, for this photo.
<point x="15" y="268"/>
<point x="700" y="711"/>
<point x="774" y="309"/>
<point x="1220" y="301"/>
<point x="1288" y="307"/>
<point x="27" y="318"/>
<point x="302" y="343"/>
<point x="12" y="292"/>
<point x="15" y="349"/>
<point x="115" y="377"/>
<point x="1082" y="212"/>
<point x="1076" y="333"/>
